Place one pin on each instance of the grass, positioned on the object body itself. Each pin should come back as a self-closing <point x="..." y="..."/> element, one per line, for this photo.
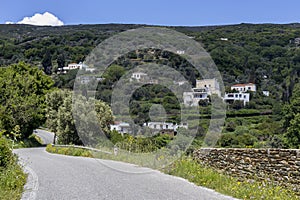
<point x="70" y="151"/>
<point x="12" y="177"/>
<point x="203" y="176"/>
<point x="32" y="141"/>
<point x="200" y="175"/>
<point x="154" y="161"/>
<point x="12" y="182"/>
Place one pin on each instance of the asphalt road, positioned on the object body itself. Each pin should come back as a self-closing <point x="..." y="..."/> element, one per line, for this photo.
<point x="59" y="177"/>
<point x="46" y="136"/>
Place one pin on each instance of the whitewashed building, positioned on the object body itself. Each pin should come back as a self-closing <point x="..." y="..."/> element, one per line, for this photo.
<point x="266" y="93"/>
<point x="244" y="87"/>
<point x="180" y="52"/>
<point x="211" y="85"/>
<point x="231" y="97"/>
<point x="203" y="89"/>
<point x="193" y="98"/>
<point x="121" y="127"/>
<point x="138" y="76"/>
<point x="165" y="126"/>
<point x="72" y="66"/>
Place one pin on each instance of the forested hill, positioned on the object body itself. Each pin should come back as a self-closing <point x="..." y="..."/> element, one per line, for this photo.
<point x="266" y="54"/>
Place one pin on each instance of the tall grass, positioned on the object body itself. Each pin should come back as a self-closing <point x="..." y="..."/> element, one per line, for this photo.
<point x="12" y="178"/>
<point x="12" y="181"/>
<point x="203" y="176"/>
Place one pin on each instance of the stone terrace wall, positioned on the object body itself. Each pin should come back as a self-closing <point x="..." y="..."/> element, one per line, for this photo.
<point x="282" y="165"/>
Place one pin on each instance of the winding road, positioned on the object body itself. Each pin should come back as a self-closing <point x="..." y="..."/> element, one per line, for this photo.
<point x="46" y="136"/>
<point x="61" y="177"/>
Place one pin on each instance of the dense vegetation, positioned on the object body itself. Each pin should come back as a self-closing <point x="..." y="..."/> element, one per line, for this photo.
<point x="11" y="175"/>
<point x="267" y="55"/>
<point x="61" y="118"/>
<point x="22" y="109"/>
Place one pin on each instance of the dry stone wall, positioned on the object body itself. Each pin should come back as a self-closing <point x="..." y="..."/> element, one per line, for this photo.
<point x="280" y="165"/>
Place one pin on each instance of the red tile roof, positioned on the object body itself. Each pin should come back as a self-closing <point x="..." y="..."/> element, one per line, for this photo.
<point x="242" y="85"/>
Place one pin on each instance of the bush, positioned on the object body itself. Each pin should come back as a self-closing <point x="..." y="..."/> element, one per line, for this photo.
<point x="6" y="155"/>
<point x="12" y="178"/>
<point x="71" y="151"/>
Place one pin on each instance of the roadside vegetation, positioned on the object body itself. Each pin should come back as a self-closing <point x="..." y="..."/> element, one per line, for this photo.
<point x="12" y="177"/>
<point x="31" y="96"/>
<point x="191" y="170"/>
<point x="251" y="189"/>
<point x="22" y="88"/>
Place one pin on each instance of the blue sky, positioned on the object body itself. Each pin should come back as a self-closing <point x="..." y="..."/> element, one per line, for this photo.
<point x="159" y="12"/>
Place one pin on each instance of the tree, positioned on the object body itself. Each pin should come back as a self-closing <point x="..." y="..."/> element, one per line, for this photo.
<point x="290" y="110"/>
<point x="54" y="101"/>
<point x="23" y="89"/>
<point x="114" y="73"/>
<point x="293" y="132"/>
<point x="62" y="113"/>
<point x="61" y="60"/>
<point x="66" y="130"/>
<point x="47" y="63"/>
<point x="291" y="118"/>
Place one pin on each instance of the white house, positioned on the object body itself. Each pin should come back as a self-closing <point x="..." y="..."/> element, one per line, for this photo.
<point x="72" y="66"/>
<point x="121" y="127"/>
<point x="180" y="83"/>
<point x="211" y="85"/>
<point x="231" y="97"/>
<point x="142" y="78"/>
<point x="224" y="39"/>
<point x="138" y="76"/>
<point x="203" y="88"/>
<point x="90" y="69"/>
<point x="180" y="52"/>
<point x="266" y="93"/>
<point x="165" y="126"/>
<point x="160" y="125"/>
<point x="193" y="98"/>
<point x="244" y="87"/>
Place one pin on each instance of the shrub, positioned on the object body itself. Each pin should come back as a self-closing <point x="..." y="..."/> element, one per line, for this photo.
<point x="6" y="155"/>
<point x="12" y="178"/>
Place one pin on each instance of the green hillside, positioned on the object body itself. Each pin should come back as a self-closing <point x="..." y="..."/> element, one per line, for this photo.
<point x="265" y="54"/>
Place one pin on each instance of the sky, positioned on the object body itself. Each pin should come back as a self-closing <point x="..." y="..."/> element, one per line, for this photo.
<point x="154" y="12"/>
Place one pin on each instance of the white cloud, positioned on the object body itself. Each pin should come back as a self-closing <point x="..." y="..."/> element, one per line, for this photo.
<point x="46" y="19"/>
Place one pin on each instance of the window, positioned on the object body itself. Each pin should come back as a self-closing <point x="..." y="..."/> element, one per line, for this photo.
<point x="236" y="96"/>
<point x="249" y="88"/>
